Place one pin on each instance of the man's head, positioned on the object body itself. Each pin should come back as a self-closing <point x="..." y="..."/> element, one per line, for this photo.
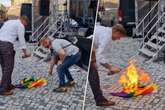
<point x="24" y="20"/>
<point x="45" y="42"/>
<point x="118" y="32"/>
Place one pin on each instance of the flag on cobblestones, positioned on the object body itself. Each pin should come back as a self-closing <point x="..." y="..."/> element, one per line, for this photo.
<point x="31" y="82"/>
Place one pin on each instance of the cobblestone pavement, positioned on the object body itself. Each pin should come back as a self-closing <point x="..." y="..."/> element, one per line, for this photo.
<point x="35" y="99"/>
<point x="120" y="52"/>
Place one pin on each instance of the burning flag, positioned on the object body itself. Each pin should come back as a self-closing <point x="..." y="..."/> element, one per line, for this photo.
<point x="135" y="81"/>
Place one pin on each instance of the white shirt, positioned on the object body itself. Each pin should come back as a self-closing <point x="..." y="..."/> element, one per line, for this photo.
<point x="69" y="48"/>
<point x="11" y="30"/>
<point x="102" y="41"/>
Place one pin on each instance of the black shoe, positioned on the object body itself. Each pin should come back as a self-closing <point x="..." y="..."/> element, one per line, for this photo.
<point x="60" y="89"/>
<point x="6" y="93"/>
<point x="11" y="87"/>
<point x="105" y="103"/>
<point x="70" y="84"/>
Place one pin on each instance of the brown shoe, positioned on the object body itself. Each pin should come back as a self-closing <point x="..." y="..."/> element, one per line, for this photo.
<point x="60" y="89"/>
<point x="11" y="87"/>
<point x="105" y="103"/>
<point x="70" y="84"/>
<point x="6" y="93"/>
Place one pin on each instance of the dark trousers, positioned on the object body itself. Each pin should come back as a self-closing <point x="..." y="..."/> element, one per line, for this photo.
<point x="63" y="69"/>
<point x="7" y="54"/>
<point x="94" y="81"/>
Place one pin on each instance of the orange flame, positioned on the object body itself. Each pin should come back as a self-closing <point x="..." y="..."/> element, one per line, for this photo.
<point x="133" y="79"/>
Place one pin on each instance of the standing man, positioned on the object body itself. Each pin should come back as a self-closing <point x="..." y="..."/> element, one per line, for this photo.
<point x="102" y="40"/>
<point x="10" y="31"/>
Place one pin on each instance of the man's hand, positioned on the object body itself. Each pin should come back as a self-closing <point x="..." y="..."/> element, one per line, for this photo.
<point x="50" y="72"/>
<point x="59" y="62"/>
<point x="51" y="65"/>
<point x="26" y="55"/>
<point x="115" y="69"/>
<point x="61" y="54"/>
<point x="112" y="69"/>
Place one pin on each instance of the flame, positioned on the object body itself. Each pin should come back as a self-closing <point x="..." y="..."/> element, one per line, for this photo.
<point x="136" y="80"/>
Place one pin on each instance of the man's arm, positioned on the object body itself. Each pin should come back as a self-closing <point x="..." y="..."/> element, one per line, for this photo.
<point x="103" y="44"/>
<point x="21" y="33"/>
<point x="61" y="54"/>
<point x="101" y="51"/>
<point x="52" y="63"/>
<point x="25" y="53"/>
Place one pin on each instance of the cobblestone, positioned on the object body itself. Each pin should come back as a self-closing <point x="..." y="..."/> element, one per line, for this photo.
<point x="34" y="99"/>
<point x="121" y="51"/>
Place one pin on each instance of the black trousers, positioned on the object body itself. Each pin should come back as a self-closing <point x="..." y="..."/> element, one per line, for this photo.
<point x="94" y="81"/>
<point x="7" y="54"/>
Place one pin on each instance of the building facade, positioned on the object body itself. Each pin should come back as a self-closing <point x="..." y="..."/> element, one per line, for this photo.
<point x="15" y="8"/>
<point x="2" y="12"/>
<point x="17" y="2"/>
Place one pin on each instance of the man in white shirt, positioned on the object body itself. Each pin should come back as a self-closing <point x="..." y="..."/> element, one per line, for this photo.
<point x="68" y="55"/>
<point x="102" y="40"/>
<point x="102" y="43"/>
<point x="8" y="35"/>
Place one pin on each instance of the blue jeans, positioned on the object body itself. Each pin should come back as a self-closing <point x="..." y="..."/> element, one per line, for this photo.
<point x="63" y="69"/>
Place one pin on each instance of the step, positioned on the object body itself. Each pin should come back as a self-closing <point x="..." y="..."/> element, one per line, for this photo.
<point x="161" y="30"/>
<point x="159" y="38"/>
<point x="146" y="52"/>
<point x="153" y="45"/>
